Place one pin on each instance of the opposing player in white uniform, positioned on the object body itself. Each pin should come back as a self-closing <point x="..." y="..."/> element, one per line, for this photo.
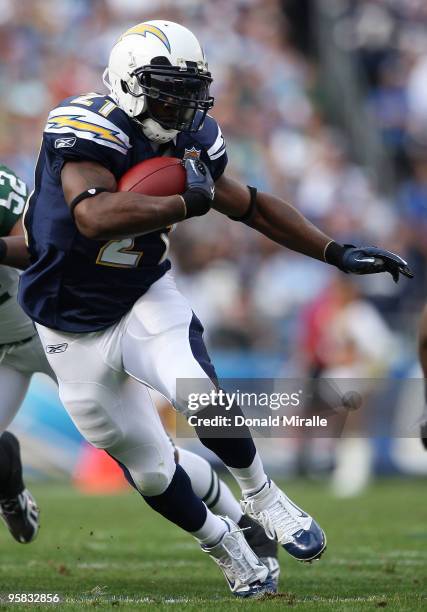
<point x="106" y="306"/>
<point x="22" y="355"/>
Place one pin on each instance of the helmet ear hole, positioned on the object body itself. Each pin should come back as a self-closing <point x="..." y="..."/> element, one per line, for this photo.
<point x="123" y="86"/>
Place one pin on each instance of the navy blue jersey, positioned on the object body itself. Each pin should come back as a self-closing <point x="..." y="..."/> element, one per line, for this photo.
<point x="79" y="285"/>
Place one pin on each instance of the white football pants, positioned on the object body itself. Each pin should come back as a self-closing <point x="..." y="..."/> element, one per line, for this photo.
<point x="156" y="343"/>
<point x="18" y="363"/>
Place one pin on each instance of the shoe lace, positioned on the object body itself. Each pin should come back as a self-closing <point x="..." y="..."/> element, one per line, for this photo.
<point x="278" y="521"/>
<point x="234" y="562"/>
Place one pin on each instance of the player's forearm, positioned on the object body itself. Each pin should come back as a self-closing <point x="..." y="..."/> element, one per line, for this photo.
<point x="111" y="216"/>
<point x="285" y="225"/>
<point x="14" y="252"/>
<point x="272" y="217"/>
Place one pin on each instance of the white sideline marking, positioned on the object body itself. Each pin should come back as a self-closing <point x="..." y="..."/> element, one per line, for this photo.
<point x="409" y="554"/>
<point x="136" y="565"/>
<point x="100" y="565"/>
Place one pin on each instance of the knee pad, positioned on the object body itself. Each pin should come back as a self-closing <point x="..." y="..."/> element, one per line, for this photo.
<point x="91" y="407"/>
<point x="152" y="483"/>
<point x="152" y="468"/>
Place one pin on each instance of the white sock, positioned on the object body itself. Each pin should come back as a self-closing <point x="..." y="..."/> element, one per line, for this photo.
<point x="252" y="478"/>
<point x="227" y="505"/>
<point x="212" y="530"/>
<point x="206" y="485"/>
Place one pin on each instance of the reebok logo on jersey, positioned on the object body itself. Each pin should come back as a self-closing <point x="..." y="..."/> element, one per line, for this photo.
<point x="61" y="143"/>
<point x="56" y="348"/>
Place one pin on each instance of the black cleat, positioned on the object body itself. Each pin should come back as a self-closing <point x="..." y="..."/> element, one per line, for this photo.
<point x="263" y="547"/>
<point x="21" y="516"/>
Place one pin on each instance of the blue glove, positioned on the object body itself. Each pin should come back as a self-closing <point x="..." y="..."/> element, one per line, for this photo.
<point x="371" y="260"/>
<point x="200" y="190"/>
<point x="367" y="260"/>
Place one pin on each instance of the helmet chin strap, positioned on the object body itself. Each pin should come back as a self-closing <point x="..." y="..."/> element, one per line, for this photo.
<point x="155" y="132"/>
<point x="106" y="80"/>
<point x="151" y="128"/>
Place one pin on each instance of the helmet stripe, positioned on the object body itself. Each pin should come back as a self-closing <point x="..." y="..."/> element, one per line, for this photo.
<point x="144" y="28"/>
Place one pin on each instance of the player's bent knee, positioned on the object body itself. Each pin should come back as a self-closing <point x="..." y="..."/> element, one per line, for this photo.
<point x="153" y="477"/>
<point x="86" y="405"/>
<point x="151" y="466"/>
<point x="152" y="483"/>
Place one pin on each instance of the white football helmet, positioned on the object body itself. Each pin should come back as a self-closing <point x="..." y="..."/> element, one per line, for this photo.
<point x="158" y="75"/>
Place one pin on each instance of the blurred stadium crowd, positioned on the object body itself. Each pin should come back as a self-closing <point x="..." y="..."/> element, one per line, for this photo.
<point x="252" y="295"/>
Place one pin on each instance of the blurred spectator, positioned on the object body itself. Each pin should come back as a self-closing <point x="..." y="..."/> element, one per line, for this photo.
<point x="347" y="341"/>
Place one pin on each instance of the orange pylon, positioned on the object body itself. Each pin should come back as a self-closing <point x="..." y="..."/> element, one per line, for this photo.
<point x="97" y="473"/>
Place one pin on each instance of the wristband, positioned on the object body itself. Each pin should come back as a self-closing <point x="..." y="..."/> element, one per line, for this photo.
<point x="334" y="253"/>
<point x="197" y="203"/>
<point x="89" y="193"/>
<point x="247" y="216"/>
<point x="3" y="249"/>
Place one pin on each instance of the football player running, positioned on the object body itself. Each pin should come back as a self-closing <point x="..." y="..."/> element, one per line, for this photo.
<point x="22" y="355"/>
<point x="106" y="305"/>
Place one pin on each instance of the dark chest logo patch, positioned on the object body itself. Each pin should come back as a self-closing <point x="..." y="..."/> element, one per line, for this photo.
<point x="192" y="153"/>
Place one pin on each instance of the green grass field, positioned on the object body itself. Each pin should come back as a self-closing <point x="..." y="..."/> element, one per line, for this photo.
<point x="114" y="552"/>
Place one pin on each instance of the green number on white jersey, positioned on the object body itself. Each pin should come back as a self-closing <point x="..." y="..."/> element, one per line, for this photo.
<point x="13" y="196"/>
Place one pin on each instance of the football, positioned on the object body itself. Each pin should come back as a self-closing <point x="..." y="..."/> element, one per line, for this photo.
<point x="159" y="176"/>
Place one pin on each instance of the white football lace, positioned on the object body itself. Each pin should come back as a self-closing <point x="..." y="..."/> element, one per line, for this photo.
<point x="278" y="521"/>
<point x="236" y="563"/>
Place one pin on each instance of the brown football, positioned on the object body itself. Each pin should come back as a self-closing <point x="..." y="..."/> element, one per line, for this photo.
<point x="159" y="176"/>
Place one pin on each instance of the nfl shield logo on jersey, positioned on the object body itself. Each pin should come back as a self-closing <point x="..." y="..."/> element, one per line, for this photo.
<point x="192" y="153"/>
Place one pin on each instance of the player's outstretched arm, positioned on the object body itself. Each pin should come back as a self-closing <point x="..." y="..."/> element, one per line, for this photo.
<point x="281" y="222"/>
<point x="271" y="216"/>
<point x="101" y="213"/>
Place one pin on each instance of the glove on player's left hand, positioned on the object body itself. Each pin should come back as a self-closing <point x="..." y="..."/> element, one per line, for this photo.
<point x="371" y="260"/>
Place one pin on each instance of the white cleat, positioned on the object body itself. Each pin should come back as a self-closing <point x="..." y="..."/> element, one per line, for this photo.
<point x="244" y="572"/>
<point x="294" y="529"/>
